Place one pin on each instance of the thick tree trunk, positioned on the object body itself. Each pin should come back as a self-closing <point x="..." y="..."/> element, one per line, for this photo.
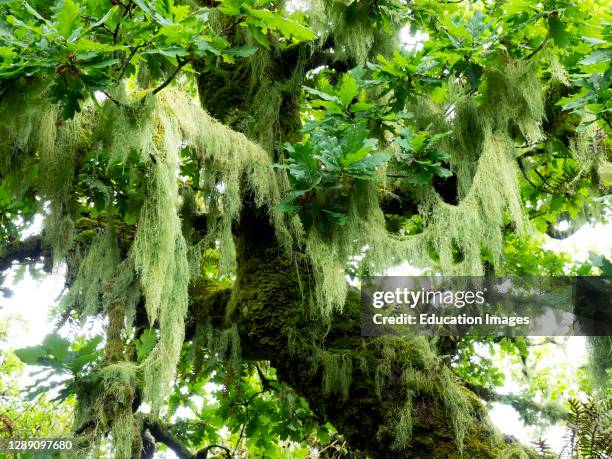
<point x="269" y="303"/>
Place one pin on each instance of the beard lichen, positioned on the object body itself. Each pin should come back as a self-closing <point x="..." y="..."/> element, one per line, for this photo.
<point x="157" y="264"/>
<point x="421" y="374"/>
<point x="357" y="35"/>
<point x="482" y="152"/>
<point x="105" y="405"/>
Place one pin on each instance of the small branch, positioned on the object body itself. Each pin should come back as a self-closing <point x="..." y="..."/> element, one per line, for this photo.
<point x="116" y="33"/>
<point x="526" y="176"/>
<point x="332" y="443"/>
<point x="162" y="434"/>
<point x="246" y="411"/>
<point x="240" y="436"/>
<point x="535" y="169"/>
<point x="203" y="453"/>
<point x="554" y="233"/>
<point x="101" y="26"/>
<point x="129" y="58"/>
<point x="265" y="381"/>
<point x="172" y="75"/>
<point x="113" y="100"/>
<point x="553" y="412"/>
<point x="538" y="49"/>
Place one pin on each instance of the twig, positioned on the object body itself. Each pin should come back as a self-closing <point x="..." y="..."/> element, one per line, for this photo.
<point x="538" y="49"/>
<point x="336" y="440"/>
<point x="552" y="411"/>
<point x="242" y="428"/>
<point x="524" y="172"/>
<point x="180" y="65"/>
<point x="112" y="99"/>
<point x="162" y="434"/>
<point x="246" y="410"/>
<point x="203" y="453"/>
<point x="265" y="381"/>
<point x="129" y="58"/>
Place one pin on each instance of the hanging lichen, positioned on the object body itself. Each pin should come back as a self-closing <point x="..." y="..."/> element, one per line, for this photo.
<point x="156" y="264"/>
<point x="422" y="374"/>
<point x="454" y="236"/>
<point x="356" y="34"/>
<point x="105" y="404"/>
<point x="211" y="346"/>
<point x="409" y="363"/>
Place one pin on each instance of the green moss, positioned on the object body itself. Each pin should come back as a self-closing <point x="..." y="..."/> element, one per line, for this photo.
<point x="87" y="237"/>
<point x="404" y="398"/>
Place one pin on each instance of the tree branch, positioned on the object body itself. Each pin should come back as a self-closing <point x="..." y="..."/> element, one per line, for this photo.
<point x="526" y="176"/>
<point x="27" y="251"/>
<point x="179" y="66"/>
<point x="538" y="49"/>
<point x="266" y="296"/>
<point x="162" y="434"/>
<point x="554" y="233"/>
<point x="203" y="453"/>
<point x="526" y="408"/>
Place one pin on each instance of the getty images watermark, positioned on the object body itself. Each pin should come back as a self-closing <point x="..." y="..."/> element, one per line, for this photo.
<point x="512" y="306"/>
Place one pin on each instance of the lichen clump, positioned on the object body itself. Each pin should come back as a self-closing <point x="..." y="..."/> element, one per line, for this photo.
<point x="455" y="237"/>
<point x="157" y="265"/>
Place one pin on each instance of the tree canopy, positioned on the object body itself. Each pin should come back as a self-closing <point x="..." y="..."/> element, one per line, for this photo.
<point x="212" y="174"/>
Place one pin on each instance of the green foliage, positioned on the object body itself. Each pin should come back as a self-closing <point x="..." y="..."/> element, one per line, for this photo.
<point x="145" y="344"/>
<point x="60" y="357"/>
<point x="260" y="413"/>
<point x="590" y="428"/>
<point x="594" y="79"/>
<point x="526" y="257"/>
<point x="406" y="75"/>
<point x="20" y="417"/>
<point x="90" y="46"/>
<point x="422" y="159"/>
<point x="259" y="20"/>
<point x="326" y="167"/>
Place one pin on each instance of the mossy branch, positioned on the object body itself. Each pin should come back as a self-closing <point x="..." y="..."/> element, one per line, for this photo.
<point x="162" y="434"/>
<point x="390" y="397"/>
<point x="526" y="408"/>
<point x="29" y="250"/>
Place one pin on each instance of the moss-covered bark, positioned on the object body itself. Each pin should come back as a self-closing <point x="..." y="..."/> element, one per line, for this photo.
<point x="270" y="304"/>
<point x="390" y="397"/>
